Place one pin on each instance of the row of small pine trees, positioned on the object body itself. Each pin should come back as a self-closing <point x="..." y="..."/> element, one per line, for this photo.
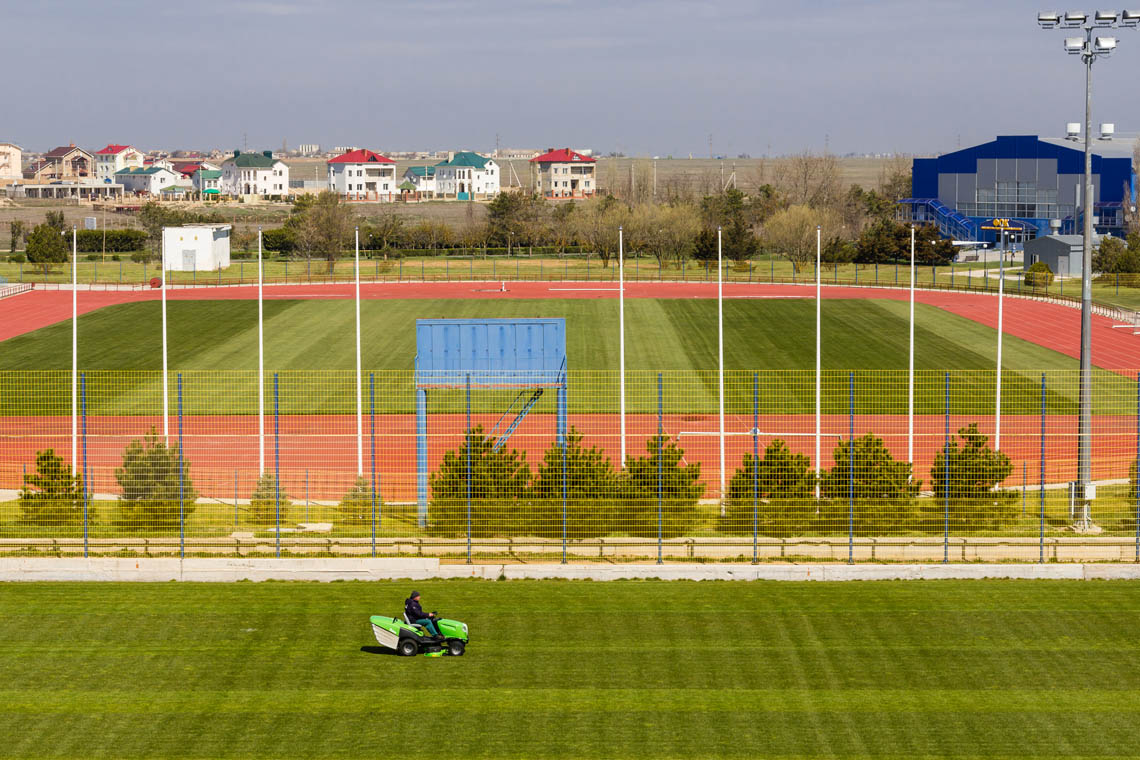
<point x="773" y="494"/>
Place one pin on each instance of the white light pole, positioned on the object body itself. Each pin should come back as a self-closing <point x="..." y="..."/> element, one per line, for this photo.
<point x="74" y="352"/>
<point x="910" y="364"/>
<point x="260" y="364"/>
<point x="818" y="353"/>
<point x="165" y="383"/>
<point x="720" y="357"/>
<point x="359" y="377"/>
<point x="1089" y="48"/>
<point x="621" y="338"/>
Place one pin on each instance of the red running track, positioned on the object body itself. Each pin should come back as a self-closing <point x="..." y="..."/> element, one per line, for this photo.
<point x="224" y="448"/>
<point x="1050" y="325"/>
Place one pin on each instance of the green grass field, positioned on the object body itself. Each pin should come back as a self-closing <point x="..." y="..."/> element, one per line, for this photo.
<point x="978" y="669"/>
<point x="669" y="335"/>
<point x="664" y="335"/>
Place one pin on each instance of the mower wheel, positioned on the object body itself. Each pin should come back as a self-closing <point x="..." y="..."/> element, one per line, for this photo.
<point x="407" y="648"/>
<point x="455" y="648"/>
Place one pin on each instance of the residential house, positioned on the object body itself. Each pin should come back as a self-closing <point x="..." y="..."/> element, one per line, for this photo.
<point x="113" y="158"/>
<point x="66" y="163"/>
<point x="158" y="162"/>
<point x="565" y="173"/>
<point x="363" y="175"/>
<point x="11" y="162"/>
<point x="466" y="176"/>
<point x="188" y="168"/>
<point x="207" y="181"/>
<point x="254" y="174"/>
<point x="421" y="179"/>
<point x="147" y="181"/>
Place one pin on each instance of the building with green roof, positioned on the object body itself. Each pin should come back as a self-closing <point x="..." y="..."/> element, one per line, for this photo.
<point x="254" y="174"/>
<point x="467" y="176"/>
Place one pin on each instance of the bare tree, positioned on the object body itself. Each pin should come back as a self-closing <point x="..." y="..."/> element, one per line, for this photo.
<point x="809" y="180"/>
<point x="791" y="232"/>
<point x="598" y="225"/>
<point x="895" y="179"/>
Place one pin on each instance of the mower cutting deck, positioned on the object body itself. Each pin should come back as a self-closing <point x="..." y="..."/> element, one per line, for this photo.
<point x="409" y="640"/>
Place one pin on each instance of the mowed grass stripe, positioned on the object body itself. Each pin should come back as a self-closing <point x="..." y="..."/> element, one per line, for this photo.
<point x="667" y="334"/>
<point x="130" y="701"/>
<point x="563" y="669"/>
<point x="663" y="335"/>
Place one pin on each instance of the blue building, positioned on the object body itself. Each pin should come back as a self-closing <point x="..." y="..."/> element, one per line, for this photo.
<point x="1026" y="180"/>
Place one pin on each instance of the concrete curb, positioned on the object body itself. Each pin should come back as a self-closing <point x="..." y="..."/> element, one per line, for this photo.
<point x="367" y="569"/>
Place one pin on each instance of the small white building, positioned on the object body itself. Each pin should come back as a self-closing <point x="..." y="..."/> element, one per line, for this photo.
<point x="148" y="181"/>
<point x="467" y="176"/>
<point x="114" y="158"/>
<point x="421" y="179"/>
<point x="254" y="174"/>
<point x="196" y="247"/>
<point x="363" y="175"/>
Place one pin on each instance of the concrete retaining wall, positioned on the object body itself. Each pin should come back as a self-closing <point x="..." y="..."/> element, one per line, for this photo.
<point x="228" y="570"/>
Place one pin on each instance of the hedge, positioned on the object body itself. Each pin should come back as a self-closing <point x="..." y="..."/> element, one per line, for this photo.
<point x="118" y="241"/>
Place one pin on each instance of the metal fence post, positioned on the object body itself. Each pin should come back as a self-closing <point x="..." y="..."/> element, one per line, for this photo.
<point x="851" y="470"/>
<point x="83" y="401"/>
<point x="660" y="463"/>
<point x="1024" y="484"/>
<point x="181" y="480"/>
<point x="565" y="487"/>
<point x="235" y="499"/>
<point x="470" y="441"/>
<point x="372" y="414"/>
<point x="1041" y="558"/>
<point x="276" y="465"/>
<point x="755" y="466"/>
<point x="946" y="476"/>
<point x="1137" y="467"/>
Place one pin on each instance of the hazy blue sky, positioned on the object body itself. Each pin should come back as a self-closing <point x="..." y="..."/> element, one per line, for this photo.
<point x="643" y="77"/>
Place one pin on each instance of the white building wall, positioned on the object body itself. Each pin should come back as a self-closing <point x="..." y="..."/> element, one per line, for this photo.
<point x="196" y="248"/>
<point x="11" y="161"/>
<point x="106" y="164"/>
<point x="260" y="181"/>
<point x="354" y="180"/>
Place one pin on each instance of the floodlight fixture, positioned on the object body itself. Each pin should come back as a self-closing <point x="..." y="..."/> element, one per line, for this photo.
<point x="1104" y="45"/>
<point x="1130" y="18"/>
<point x="1104" y="18"/>
<point x="1074" y="45"/>
<point x="1048" y="19"/>
<point x="1074" y="19"/>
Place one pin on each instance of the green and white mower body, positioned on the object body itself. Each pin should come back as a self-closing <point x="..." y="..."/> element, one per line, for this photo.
<point x="408" y="640"/>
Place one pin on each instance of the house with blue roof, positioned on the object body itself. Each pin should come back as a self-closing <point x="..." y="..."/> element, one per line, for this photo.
<point x="1027" y="185"/>
<point x="467" y="176"/>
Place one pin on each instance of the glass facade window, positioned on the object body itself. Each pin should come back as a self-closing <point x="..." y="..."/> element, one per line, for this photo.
<point x="1016" y="200"/>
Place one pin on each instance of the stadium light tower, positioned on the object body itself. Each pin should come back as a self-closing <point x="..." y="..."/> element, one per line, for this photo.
<point x="1089" y="47"/>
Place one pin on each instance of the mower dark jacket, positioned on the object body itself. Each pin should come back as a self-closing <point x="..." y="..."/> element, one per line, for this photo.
<point x="413" y="610"/>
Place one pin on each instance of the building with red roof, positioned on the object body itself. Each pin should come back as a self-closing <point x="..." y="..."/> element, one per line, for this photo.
<point x="363" y="175"/>
<point x="114" y="158"/>
<point x="565" y="173"/>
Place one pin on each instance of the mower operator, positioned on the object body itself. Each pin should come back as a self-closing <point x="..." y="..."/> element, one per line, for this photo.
<point x="417" y="616"/>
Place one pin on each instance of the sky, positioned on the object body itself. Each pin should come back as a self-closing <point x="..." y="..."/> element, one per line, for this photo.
<point x="643" y="78"/>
